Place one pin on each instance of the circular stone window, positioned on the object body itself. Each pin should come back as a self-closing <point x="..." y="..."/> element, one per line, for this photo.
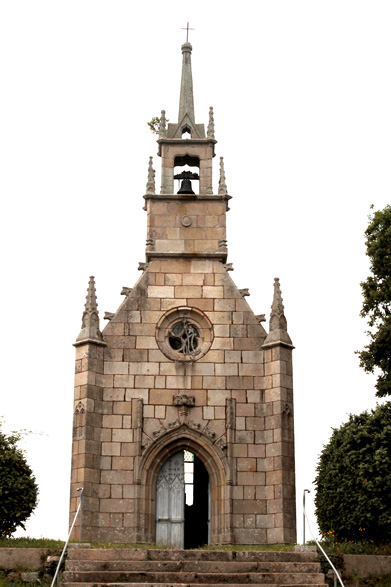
<point x="184" y="334"/>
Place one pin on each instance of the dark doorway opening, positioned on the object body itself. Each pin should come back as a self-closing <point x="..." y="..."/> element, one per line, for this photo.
<point x="197" y="512"/>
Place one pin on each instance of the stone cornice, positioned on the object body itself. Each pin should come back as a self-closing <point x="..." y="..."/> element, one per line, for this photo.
<point x="90" y="341"/>
<point x="157" y="254"/>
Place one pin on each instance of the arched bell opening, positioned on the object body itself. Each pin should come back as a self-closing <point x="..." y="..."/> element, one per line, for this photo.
<point x="186" y="132"/>
<point x="211" y="469"/>
<point x="188" y="180"/>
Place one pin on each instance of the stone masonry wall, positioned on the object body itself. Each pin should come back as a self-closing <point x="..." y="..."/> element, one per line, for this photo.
<point x="237" y="368"/>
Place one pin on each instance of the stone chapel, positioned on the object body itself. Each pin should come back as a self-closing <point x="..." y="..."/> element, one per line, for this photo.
<point x="183" y="413"/>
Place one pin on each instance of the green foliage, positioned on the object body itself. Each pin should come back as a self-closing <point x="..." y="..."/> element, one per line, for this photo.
<point x="154" y="124"/>
<point x="376" y="307"/>
<point x="27" y="542"/>
<point x="18" y="489"/>
<point x="353" y="483"/>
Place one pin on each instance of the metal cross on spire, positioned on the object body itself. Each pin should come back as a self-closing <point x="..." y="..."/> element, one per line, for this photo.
<point x="187" y="29"/>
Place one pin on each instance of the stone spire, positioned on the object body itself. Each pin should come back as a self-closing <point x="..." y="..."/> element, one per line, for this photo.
<point x="211" y="126"/>
<point x="186" y="100"/>
<point x="278" y="325"/>
<point x="151" y="179"/>
<point x="222" y="181"/>
<point x="90" y="321"/>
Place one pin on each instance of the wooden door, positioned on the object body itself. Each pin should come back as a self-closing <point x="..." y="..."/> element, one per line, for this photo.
<point x="170" y="502"/>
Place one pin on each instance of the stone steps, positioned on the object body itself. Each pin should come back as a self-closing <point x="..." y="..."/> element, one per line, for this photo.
<point x="190" y="568"/>
<point x="194" y="566"/>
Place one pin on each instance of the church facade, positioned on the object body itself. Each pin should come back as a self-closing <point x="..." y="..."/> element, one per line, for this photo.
<point x="183" y="407"/>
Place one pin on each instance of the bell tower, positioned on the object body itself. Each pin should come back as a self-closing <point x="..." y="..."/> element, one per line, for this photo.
<point x="184" y="376"/>
<point x="193" y="221"/>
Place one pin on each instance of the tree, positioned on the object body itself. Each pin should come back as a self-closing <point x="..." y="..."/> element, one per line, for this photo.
<point x="353" y="483"/>
<point x="377" y="300"/>
<point x="18" y="489"/>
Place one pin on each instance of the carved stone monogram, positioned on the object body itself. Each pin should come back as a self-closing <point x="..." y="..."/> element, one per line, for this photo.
<point x="184" y="400"/>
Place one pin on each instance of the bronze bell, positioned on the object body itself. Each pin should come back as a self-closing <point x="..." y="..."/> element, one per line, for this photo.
<point x="186" y="187"/>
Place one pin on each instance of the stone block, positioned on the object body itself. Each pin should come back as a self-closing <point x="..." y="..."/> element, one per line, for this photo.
<point x="206" y="305"/>
<point x="244" y="409"/>
<point x="202" y="369"/>
<point x="217" y="397"/>
<point x="136" y="394"/>
<point x="122" y="408"/>
<point x="122" y="435"/>
<point x="245" y="436"/>
<point x="148" y="368"/>
<point x="167" y="304"/>
<point x="246" y="464"/>
<point x="239" y="450"/>
<point x="255" y="423"/>
<point x="121" y="463"/>
<point x="224" y="305"/>
<point x="146" y="342"/>
<point x="252" y="478"/>
<point x="212" y="291"/>
<point x="221" y="330"/>
<point x="221" y="343"/>
<point x="250" y="536"/>
<point x="187" y="291"/>
<point x="147" y="381"/>
<point x="250" y="369"/>
<point x="123" y="381"/>
<point x="111" y="421"/>
<point x="113" y="395"/>
<point x="215" y="383"/>
<point x="263" y="436"/>
<point x="111" y="448"/>
<point x="112" y="368"/>
<point x="161" y="397"/>
<point x="240" y="382"/>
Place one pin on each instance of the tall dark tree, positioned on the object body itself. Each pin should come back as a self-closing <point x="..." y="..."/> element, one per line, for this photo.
<point x="377" y="301"/>
<point x="353" y="483"/>
<point x="18" y="489"/>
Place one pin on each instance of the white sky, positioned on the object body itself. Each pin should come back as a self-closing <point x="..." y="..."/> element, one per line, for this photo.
<point x="301" y="93"/>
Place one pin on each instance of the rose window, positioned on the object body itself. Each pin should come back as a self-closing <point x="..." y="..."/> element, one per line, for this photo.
<point x="184" y="334"/>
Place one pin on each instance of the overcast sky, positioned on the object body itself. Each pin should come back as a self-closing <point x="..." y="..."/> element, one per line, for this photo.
<point x="301" y="92"/>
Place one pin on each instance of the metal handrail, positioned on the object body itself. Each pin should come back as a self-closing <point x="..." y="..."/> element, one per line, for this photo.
<point x="336" y="574"/>
<point x="80" y="507"/>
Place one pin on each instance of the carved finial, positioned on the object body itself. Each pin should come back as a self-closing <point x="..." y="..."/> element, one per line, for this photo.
<point x="277" y="326"/>
<point x="277" y="317"/>
<point x="211" y="126"/>
<point x="151" y="178"/>
<point x="163" y="124"/>
<point x="222" y="183"/>
<point x="90" y="321"/>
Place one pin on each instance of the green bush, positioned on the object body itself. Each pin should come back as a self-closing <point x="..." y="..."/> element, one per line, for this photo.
<point x="353" y="483"/>
<point x="18" y="489"/>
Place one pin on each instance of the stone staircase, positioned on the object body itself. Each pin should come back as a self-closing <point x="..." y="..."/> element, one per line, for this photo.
<point x="190" y="568"/>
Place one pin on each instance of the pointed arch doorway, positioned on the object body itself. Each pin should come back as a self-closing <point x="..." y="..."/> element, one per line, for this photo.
<point x="183" y="502"/>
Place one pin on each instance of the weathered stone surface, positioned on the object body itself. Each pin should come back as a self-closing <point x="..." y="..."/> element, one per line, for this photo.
<point x="127" y="422"/>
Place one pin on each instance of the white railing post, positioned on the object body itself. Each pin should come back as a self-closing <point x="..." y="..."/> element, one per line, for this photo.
<point x="304" y="492"/>
<point x="69" y="535"/>
<point x="336" y="575"/>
